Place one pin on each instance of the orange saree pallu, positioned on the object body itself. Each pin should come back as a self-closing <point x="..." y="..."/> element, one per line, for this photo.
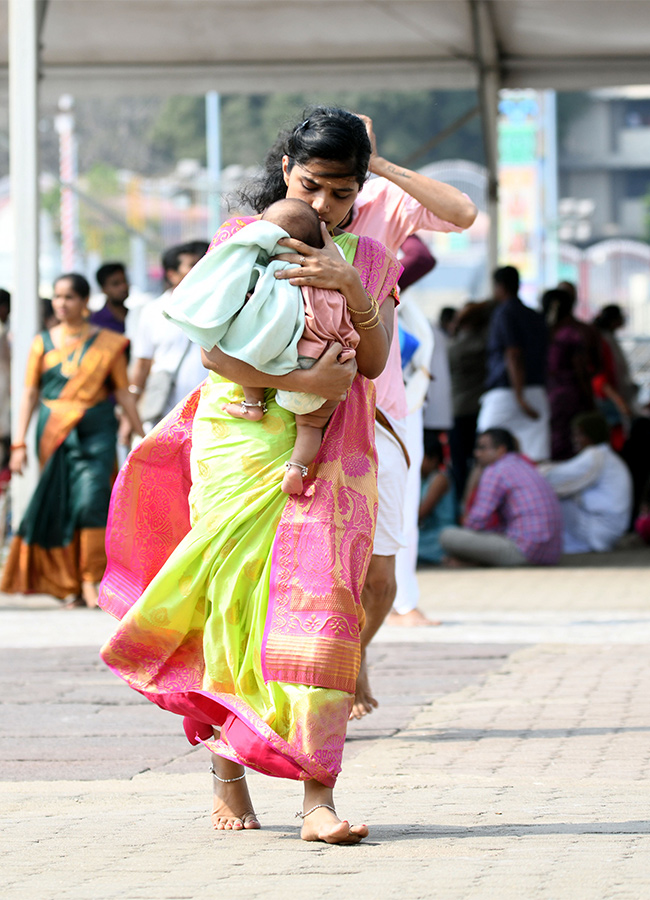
<point x="239" y="606"/>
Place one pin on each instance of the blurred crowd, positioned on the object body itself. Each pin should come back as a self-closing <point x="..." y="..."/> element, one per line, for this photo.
<point x="525" y="434"/>
<point x="534" y="441"/>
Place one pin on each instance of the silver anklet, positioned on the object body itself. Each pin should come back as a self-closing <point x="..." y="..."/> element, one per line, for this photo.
<point x="228" y="780"/>
<point x="303" y="471"/>
<point x="300" y="815"/>
<point x="258" y="404"/>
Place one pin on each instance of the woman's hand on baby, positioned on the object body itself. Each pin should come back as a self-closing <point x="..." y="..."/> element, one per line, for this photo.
<point x="330" y="378"/>
<point x="324" y="268"/>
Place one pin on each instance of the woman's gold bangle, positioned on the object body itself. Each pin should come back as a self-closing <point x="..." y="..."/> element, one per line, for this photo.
<point x="18" y="447"/>
<point x="371" y="314"/>
<point x="367" y="327"/>
<point x="374" y="307"/>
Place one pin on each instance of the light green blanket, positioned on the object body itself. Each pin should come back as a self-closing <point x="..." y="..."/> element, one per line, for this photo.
<point x="210" y="304"/>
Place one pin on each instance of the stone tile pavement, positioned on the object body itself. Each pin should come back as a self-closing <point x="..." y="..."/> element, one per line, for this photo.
<point x="492" y="770"/>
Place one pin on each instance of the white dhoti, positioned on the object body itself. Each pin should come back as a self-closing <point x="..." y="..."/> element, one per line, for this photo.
<point x="408" y="591"/>
<point x="499" y="409"/>
<point x="391" y="484"/>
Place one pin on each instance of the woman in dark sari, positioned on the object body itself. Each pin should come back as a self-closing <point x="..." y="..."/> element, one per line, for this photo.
<point x="568" y="379"/>
<point x="72" y="371"/>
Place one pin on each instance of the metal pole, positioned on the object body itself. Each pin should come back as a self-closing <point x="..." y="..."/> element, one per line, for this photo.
<point x="486" y="53"/>
<point x="213" y="154"/>
<point x="64" y="123"/>
<point x="549" y="100"/>
<point x="23" y="161"/>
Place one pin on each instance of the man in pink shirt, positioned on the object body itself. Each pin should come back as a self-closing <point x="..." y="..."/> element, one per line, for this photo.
<point x="390" y="208"/>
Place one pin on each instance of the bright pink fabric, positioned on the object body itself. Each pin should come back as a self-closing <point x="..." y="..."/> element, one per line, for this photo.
<point x="388" y="214"/>
<point x="141" y="535"/>
<point x="326" y="319"/>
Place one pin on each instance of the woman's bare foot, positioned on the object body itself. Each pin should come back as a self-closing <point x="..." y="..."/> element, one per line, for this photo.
<point x="232" y="807"/>
<point x="414" y="618"/>
<point x="244" y="410"/>
<point x="320" y="822"/>
<point x="292" y="481"/>
<point x="324" y="825"/>
<point x="364" y="702"/>
<point x="90" y="594"/>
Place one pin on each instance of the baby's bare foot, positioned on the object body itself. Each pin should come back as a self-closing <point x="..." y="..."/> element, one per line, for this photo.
<point x="251" y="411"/>
<point x="293" y="476"/>
<point x="324" y="825"/>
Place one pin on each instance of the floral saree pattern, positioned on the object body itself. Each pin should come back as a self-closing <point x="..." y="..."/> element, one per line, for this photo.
<point x="240" y="606"/>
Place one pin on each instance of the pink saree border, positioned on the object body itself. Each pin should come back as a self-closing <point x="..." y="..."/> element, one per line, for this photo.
<point x="312" y="627"/>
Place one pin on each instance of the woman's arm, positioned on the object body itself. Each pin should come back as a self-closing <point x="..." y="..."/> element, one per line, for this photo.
<point x="127" y="401"/>
<point x="327" y="269"/>
<point x="328" y="378"/>
<point x="18" y="456"/>
<point x="441" y="199"/>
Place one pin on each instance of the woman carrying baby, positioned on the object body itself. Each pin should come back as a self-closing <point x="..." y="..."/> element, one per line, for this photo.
<point x="239" y="604"/>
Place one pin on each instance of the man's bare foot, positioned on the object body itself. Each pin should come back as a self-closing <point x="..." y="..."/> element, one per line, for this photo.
<point x="89" y="594"/>
<point x="414" y="618"/>
<point x="244" y="411"/>
<point x="364" y="702"/>
<point x="232" y="806"/>
<point x="453" y="562"/>
<point x="324" y="825"/>
<point x="292" y="481"/>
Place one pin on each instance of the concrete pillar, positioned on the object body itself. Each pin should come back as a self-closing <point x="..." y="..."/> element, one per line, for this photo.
<point x="23" y="162"/>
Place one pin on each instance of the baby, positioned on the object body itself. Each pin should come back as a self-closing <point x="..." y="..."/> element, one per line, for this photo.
<point x="256" y="318"/>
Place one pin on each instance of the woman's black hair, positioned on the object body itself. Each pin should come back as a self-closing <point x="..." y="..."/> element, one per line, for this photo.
<point x="79" y="283"/>
<point x="593" y="425"/>
<point x="609" y="317"/>
<point x="557" y="304"/>
<point x="323" y="133"/>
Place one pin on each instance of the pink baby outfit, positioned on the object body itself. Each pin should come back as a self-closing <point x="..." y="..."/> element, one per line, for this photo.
<point x="326" y="320"/>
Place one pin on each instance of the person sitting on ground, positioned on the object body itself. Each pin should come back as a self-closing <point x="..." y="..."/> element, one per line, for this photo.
<point x="437" y="503"/>
<point x="111" y="277"/>
<point x="268" y="323"/>
<point x="530" y="529"/>
<point x="595" y="488"/>
<point x="642" y="522"/>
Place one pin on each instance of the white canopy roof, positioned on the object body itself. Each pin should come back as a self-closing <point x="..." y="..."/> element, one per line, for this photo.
<point x="91" y="47"/>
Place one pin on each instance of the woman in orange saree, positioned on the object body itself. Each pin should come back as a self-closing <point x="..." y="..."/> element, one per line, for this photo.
<point x="240" y="606"/>
<point x="72" y="370"/>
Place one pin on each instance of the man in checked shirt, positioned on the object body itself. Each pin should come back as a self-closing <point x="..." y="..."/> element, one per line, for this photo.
<point x="515" y="519"/>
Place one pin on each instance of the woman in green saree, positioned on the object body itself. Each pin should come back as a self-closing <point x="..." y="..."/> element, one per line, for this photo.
<point x="73" y="369"/>
<point x="240" y="605"/>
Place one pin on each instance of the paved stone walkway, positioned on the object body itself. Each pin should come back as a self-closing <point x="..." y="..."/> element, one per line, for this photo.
<point x="493" y="770"/>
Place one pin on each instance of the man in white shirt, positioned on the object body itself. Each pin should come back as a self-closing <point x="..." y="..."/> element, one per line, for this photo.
<point x="159" y="345"/>
<point x="595" y="489"/>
